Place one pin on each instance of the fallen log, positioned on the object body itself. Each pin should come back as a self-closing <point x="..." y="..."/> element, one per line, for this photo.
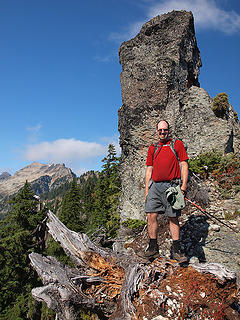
<point x="123" y="286"/>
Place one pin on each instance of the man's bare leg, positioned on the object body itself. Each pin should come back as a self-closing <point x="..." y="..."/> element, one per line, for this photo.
<point x="175" y="233"/>
<point x="174" y="228"/>
<point x="152" y="251"/>
<point x="152" y="224"/>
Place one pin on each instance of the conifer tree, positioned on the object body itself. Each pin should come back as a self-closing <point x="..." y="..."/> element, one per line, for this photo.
<point x="87" y="186"/>
<point x="107" y="194"/>
<point x="72" y="217"/>
<point x="71" y="210"/>
<point x="75" y="209"/>
<point x="16" y="242"/>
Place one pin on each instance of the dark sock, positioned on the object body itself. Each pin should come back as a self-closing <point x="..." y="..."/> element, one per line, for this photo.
<point x="176" y="245"/>
<point x="153" y="243"/>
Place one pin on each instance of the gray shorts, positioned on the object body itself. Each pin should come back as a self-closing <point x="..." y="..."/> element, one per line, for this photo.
<point x="157" y="200"/>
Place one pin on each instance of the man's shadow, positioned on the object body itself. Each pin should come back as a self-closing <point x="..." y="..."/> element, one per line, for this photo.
<point x="193" y="235"/>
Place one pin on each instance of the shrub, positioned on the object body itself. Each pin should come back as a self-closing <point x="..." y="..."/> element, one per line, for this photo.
<point x="134" y="224"/>
<point x="236" y="213"/>
<point x="228" y="175"/>
<point x="235" y="115"/>
<point x="220" y="105"/>
<point x="225" y="194"/>
<point x="225" y="169"/>
<point x="230" y="216"/>
<point x="211" y="159"/>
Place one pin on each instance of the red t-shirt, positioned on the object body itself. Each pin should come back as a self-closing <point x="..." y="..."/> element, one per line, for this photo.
<point x="165" y="164"/>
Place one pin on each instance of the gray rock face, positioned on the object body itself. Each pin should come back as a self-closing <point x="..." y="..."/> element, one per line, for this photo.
<point x="159" y="80"/>
<point x="198" y="126"/>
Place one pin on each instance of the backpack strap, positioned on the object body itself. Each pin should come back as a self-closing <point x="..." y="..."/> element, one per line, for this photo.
<point x="171" y="145"/>
<point x="156" y="146"/>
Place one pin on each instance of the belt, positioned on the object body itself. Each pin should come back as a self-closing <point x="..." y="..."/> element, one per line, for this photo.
<point x="174" y="181"/>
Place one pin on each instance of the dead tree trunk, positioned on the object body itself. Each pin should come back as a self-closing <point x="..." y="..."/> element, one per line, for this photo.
<point x="117" y="286"/>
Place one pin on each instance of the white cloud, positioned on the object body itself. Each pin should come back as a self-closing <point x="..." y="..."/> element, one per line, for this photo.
<point x="34" y="129"/>
<point x="80" y="171"/>
<point x="63" y="150"/>
<point x="103" y="59"/>
<point x="112" y="140"/>
<point x="207" y="15"/>
<point x="129" y="32"/>
<point x="80" y="156"/>
<point x="34" y="132"/>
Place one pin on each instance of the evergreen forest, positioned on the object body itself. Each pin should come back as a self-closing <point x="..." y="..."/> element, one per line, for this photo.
<point x="89" y="204"/>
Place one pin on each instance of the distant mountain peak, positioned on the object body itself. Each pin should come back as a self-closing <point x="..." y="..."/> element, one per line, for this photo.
<point x="32" y="172"/>
<point x="4" y="175"/>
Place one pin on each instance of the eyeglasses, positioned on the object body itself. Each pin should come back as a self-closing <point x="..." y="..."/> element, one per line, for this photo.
<point x="162" y="130"/>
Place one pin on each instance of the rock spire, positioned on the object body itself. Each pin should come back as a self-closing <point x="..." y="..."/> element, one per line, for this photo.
<point x="159" y="80"/>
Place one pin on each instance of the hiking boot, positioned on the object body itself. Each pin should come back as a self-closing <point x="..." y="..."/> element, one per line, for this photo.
<point x="179" y="256"/>
<point x="150" y="253"/>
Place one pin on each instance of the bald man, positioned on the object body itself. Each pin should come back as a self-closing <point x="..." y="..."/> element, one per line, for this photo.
<point x="164" y="169"/>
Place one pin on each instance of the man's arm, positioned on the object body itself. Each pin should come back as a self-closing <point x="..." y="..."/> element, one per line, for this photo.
<point x="148" y="176"/>
<point x="184" y="172"/>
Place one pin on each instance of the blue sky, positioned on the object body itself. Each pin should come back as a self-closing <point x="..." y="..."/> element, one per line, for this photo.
<point x="59" y="72"/>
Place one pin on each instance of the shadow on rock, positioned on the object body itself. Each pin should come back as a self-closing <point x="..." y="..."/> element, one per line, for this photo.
<point x="193" y="235"/>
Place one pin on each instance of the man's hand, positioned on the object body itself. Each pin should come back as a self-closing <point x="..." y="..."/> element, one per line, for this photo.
<point x="183" y="191"/>
<point x="146" y="193"/>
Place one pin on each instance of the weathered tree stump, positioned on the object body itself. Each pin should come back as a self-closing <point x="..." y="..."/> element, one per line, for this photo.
<point x="121" y="286"/>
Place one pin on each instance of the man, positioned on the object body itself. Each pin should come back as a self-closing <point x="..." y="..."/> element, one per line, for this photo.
<point x="163" y="171"/>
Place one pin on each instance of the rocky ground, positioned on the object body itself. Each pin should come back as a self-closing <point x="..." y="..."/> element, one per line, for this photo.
<point x="204" y="241"/>
<point x="222" y="245"/>
<point x="186" y="294"/>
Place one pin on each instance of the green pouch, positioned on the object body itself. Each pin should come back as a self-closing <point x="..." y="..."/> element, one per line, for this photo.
<point x="176" y="198"/>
